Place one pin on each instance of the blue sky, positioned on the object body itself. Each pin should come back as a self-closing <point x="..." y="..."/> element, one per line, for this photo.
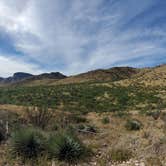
<point x="79" y="35"/>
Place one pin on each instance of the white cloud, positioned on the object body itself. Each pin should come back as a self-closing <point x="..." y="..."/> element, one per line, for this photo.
<point x="75" y="36"/>
<point x="9" y="66"/>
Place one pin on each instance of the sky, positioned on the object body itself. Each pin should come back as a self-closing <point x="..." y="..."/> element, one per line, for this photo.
<point x="74" y="36"/>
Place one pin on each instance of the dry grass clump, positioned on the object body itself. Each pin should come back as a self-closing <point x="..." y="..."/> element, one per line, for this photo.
<point x="120" y="155"/>
<point x="105" y="120"/>
<point x="153" y="161"/>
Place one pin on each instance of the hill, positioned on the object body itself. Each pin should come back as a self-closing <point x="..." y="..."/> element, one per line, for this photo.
<point x="100" y="75"/>
<point x="21" y="78"/>
<point x="155" y="76"/>
<point x="120" y="88"/>
<point x="124" y="75"/>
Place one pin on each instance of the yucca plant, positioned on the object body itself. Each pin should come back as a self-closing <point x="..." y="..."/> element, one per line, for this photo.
<point x="27" y="144"/>
<point x="65" y="147"/>
<point x="133" y="124"/>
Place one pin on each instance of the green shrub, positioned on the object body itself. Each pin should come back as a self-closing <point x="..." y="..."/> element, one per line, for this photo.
<point x="28" y="144"/>
<point x="65" y="147"/>
<point x="120" y="155"/>
<point x="106" y="120"/>
<point x="133" y="124"/>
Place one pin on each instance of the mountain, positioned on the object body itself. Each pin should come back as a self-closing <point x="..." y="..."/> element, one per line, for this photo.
<point x="123" y="75"/>
<point x="21" y="78"/>
<point x="101" y="75"/>
<point x="52" y="75"/>
<point x="155" y="76"/>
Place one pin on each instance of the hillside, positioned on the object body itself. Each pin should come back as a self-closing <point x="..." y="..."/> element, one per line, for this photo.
<point x="155" y="76"/>
<point x="124" y="75"/>
<point x="21" y="78"/>
<point x="100" y="75"/>
<point x="99" y="90"/>
<point x="119" y="114"/>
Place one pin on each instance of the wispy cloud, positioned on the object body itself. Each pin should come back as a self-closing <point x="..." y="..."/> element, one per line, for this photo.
<point x="8" y="66"/>
<point x="76" y="36"/>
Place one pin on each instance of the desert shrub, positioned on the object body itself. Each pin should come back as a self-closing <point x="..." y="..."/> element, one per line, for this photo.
<point x="120" y="155"/>
<point x="65" y="147"/>
<point x="133" y="124"/>
<point x="39" y="117"/>
<point x="105" y="120"/>
<point x="154" y="114"/>
<point x="28" y="144"/>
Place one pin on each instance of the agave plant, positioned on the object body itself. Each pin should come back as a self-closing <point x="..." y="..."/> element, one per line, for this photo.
<point x="27" y="144"/>
<point x="65" y="147"/>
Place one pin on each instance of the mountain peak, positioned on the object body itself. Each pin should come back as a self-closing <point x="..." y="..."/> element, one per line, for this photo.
<point x="21" y="75"/>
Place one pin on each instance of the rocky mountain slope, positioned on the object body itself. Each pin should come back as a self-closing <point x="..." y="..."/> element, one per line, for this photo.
<point x="123" y="75"/>
<point x="100" y="75"/>
<point x="15" y="78"/>
<point x="21" y="78"/>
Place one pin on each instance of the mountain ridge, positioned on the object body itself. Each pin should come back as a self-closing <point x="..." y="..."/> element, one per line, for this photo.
<point x="115" y="74"/>
<point x="22" y="76"/>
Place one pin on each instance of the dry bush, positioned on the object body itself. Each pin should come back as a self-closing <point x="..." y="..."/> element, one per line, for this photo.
<point x="39" y="116"/>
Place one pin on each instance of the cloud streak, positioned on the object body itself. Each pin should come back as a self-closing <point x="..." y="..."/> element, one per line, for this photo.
<point x="76" y="36"/>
